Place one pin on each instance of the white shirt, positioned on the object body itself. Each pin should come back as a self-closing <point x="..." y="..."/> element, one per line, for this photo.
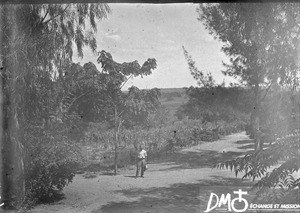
<point x="142" y="154"/>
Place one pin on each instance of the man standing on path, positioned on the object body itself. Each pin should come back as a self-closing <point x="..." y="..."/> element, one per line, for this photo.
<point x="141" y="161"/>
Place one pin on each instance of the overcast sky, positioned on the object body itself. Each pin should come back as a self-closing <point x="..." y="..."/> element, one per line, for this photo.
<point x="141" y="31"/>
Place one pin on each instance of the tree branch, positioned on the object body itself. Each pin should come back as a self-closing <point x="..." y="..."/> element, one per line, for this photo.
<point x="72" y="102"/>
<point x="120" y="113"/>
<point x="126" y="81"/>
<point x="45" y="15"/>
<point x="57" y="15"/>
<point x="267" y="90"/>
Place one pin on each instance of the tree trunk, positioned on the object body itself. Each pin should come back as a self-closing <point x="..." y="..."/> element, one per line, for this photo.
<point x="12" y="165"/>
<point x="255" y="119"/>
<point x="116" y="143"/>
<point x="116" y="159"/>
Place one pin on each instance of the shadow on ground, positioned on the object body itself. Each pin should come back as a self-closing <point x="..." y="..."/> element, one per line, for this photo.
<point x="181" y="197"/>
<point x="56" y="197"/>
<point x="197" y="159"/>
<point x="249" y="144"/>
<point x="130" y="176"/>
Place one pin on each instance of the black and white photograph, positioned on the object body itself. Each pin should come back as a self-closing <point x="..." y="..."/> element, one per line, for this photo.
<point x="140" y="107"/>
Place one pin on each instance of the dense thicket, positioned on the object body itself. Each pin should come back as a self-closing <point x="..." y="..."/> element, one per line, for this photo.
<point x="216" y="103"/>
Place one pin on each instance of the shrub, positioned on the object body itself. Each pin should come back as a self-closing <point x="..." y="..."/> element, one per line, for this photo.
<point x="50" y="164"/>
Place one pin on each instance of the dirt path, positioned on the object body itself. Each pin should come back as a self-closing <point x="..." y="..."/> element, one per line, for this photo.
<point x="177" y="185"/>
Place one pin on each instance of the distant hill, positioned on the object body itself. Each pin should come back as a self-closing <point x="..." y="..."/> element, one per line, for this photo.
<point x="169" y="90"/>
<point x="172" y="98"/>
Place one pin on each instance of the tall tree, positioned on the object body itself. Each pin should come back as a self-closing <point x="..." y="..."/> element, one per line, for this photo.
<point x="83" y="91"/>
<point x="136" y="103"/>
<point x="258" y="47"/>
<point x="262" y="42"/>
<point x="37" y="42"/>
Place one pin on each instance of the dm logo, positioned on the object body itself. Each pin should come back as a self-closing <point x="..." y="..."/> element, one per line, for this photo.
<point x="226" y="200"/>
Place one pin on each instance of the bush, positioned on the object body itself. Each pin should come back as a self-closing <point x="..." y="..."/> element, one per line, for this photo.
<point x="50" y="164"/>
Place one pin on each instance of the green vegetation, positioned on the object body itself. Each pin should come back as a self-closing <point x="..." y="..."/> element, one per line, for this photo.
<point x="37" y="46"/>
<point x="171" y="99"/>
<point x="263" y="47"/>
<point x="216" y="104"/>
<point x="160" y="141"/>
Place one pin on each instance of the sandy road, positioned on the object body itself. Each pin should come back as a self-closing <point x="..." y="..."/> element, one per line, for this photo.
<point x="181" y="184"/>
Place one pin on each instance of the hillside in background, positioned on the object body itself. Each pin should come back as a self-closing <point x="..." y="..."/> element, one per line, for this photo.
<point x="171" y="99"/>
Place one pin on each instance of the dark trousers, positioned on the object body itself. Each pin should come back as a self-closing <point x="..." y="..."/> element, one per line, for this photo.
<point x="141" y="165"/>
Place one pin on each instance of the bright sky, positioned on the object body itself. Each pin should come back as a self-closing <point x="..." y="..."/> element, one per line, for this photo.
<point x="141" y="31"/>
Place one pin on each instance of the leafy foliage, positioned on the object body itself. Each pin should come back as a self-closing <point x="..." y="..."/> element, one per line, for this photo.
<point x="262" y="44"/>
<point x="279" y="112"/>
<point x="126" y="68"/>
<point x="51" y="161"/>
<point x="136" y="104"/>
<point x="139" y="104"/>
<point x="216" y="103"/>
<point x="283" y="154"/>
<point x="93" y="94"/>
<point x="83" y="91"/>
<point x="244" y="30"/>
<point x="202" y="80"/>
<point x="38" y="46"/>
